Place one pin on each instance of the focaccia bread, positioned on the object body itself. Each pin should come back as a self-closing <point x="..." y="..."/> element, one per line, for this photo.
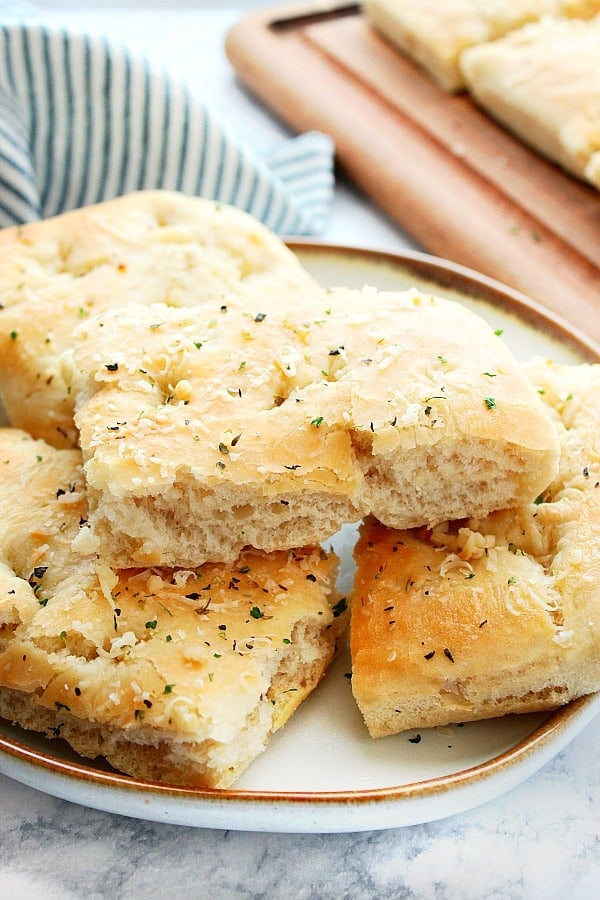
<point x="435" y="32"/>
<point x="543" y="83"/>
<point x="146" y="247"/>
<point x="174" y="676"/>
<point x="476" y="619"/>
<point x="210" y="429"/>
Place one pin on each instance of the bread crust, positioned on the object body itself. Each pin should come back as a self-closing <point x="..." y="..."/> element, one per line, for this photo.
<point x="204" y="430"/>
<point x="177" y="676"/>
<point x="477" y="619"/>
<point x="146" y="247"/>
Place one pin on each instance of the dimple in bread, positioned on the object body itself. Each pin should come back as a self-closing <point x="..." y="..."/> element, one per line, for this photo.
<point x="271" y="425"/>
<point x="146" y="247"/>
<point x="436" y="32"/>
<point x="543" y="83"/>
<point x="477" y="619"/>
<point x="174" y="676"/>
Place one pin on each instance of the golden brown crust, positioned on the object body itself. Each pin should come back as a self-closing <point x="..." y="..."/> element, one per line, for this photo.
<point x="146" y="247"/>
<point x="179" y="676"/>
<point x="487" y="617"/>
<point x="206" y="429"/>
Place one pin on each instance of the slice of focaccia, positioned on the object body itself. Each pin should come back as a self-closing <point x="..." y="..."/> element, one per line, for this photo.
<point x="146" y="247"/>
<point x="171" y="675"/>
<point x="209" y="429"/>
<point x="543" y="83"/>
<point x="480" y="618"/>
<point x="435" y="32"/>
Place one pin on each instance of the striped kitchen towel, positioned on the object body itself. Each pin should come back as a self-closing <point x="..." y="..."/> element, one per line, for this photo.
<point x="83" y="120"/>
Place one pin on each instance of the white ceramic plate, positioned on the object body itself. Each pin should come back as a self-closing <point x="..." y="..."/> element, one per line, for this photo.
<point x="322" y="772"/>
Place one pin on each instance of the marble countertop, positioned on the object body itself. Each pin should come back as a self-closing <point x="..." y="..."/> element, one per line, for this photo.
<point x="542" y="839"/>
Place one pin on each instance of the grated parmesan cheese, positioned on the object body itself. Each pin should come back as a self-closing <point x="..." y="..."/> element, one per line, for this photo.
<point x="563" y="638"/>
<point x="107" y="580"/>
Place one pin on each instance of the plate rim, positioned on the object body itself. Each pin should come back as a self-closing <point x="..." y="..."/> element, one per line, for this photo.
<point x="582" y="711"/>
<point x="393" y="806"/>
<point x="449" y="272"/>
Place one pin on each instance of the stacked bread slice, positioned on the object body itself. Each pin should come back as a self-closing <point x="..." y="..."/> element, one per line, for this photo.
<point x="177" y="675"/>
<point x="172" y="675"/>
<point x="486" y="616"/>
<point x="204" y="430"/>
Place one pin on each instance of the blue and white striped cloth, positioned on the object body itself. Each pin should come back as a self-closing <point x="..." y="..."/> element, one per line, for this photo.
<point x="83" y="120"/>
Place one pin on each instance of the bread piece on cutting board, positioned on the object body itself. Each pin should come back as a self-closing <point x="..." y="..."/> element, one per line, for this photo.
<point x="435" y="32"/>
<point x="543" y="83"/>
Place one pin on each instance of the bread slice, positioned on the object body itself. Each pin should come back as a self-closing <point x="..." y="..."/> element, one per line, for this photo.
<point x="209" y="429"/>
<point x="543" y="83"/>
<point x="476" y="619"/>
<point x="172" y="675"/>
<point x="147" y="247"/>
<point x="435" y="32"/>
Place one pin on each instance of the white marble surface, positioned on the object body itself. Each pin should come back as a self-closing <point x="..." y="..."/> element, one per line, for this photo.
<point x="542" y="840"/>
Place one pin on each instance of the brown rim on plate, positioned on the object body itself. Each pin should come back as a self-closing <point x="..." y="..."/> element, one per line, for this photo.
<point x="550" y="729"/>
<point x="473" y="284"/>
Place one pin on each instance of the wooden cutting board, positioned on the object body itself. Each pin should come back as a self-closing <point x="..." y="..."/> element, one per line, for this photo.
<point x="461" y="185"/>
